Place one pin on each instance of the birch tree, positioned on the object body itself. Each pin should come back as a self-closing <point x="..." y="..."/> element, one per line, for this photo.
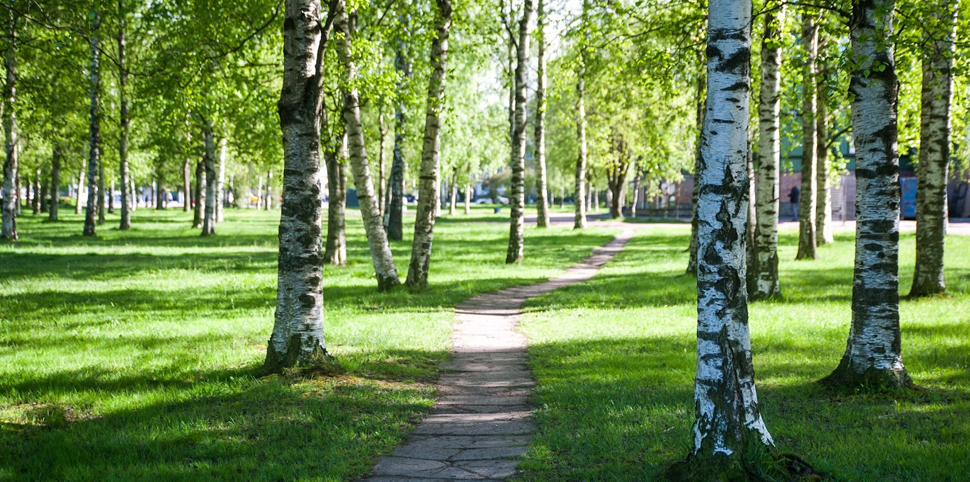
<point x="431" y="153"/>
<point x="763" y="279"/>
<point x="934" y="154"/>
<point x="9" y="229"/>
<point x="298" y="337"/>
<point x="373" y="227"/>
<point x="873" y="355"/>
<point x="579" y="196"/>
<point x="542" y="187"/>
<point x="517" y="197"/>
<point x="94" y="155"/>
<point x="807" y="207"/>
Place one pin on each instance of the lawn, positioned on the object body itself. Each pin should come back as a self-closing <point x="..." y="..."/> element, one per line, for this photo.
<point x="135" y="355"/>
<point x="614" y="359"/>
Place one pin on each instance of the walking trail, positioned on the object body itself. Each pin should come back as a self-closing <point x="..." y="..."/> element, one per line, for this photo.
<point x="482" y="422"/>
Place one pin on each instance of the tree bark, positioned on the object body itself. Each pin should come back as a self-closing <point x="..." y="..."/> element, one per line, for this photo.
<point x="35" y="198"/>
<point x="100" y="193"/>
<point x="763" y="277"/>
<point x="932" y="172"/>
<point x="199" y="195"/>
<point x="395" y="219"/>
<point x="373" y="227"/>
<point x="298" y="337"/>
<point x="94" y="159"/>
<point x="123" y="169"/>
<point x="336" y="157"/>
<point x="209" y="162"/>
<point x="430" y="153"/>
<point x="55" y="182"/>
<point x="700" y="102"/>
<point x="873" y="355"/>
<point x="453" y="199"/>
<point x="220" y="197"/>
<point x="186" y="185"/>
<point x="517" y="197"/>
<point x="542" y="189"/>
<point x="728" y="420"/>
<point x="44" y="204"/>
<point x="381" y="164"/>
<point x="159" y="191"/>
<point x="808" y="205"/>
<point x="579" y="198"/>
<point x="80" y="182"/>
<point x="823" y="211"/>
<point x="9" y="216"/>
<point x="468" y="198"/>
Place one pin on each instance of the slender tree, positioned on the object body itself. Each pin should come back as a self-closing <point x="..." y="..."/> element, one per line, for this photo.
<point x="808" y="204"/>
<point x="517" y="197"/>
<point x="55" y="182"/>
<point x="9" y="229"/>
<point x="763" y="277"/>
<point x="542" y="186"/>
<point x="700" y="104"/>
<point x="395" y="188"/>
<point x="934" y="154"/>
<point x="728" y="421"/>
<point x="430" y="152"/>
<point x="873" y="355"/>
<point x="200" y="183"/>
<point x="94" y="157"/>
<point x="209" y="163"/>
<point x="373" y="227"/>
<point x="579" y="198"/>
<point x="823" y="183"/>
<point x="123" y="119"/>
<point x="297" y="337"/>
<point x="335" y="154"/>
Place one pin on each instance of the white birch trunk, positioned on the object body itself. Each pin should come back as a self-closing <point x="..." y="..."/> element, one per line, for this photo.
<point x="430" y="153"/>
<point x="808" y="205"/>
<point x="221" y="179"/>
<point x="297" y="337"/>
<point x="373" y="227"/>
<point x="763" y="280"/>
<point x="123" y="170"/>
<point x="209" y="162"/>
<point x="728" y="419"/>
<point x="9" y="229"/>
<point x="873" y="354"/>
<point x="542" y="202"/>
<point x="931" y="200"/>
<point x="517" y="197"/>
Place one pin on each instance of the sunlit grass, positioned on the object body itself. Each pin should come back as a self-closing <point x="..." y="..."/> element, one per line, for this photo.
<point x="133" y="355"/>
<point x="614" y="358"/>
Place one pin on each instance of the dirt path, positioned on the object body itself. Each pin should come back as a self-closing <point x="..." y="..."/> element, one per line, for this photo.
<point x="482" y="422"/>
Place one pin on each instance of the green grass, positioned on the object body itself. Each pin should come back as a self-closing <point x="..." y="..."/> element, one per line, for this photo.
<point x="614" y="359"/>
<point x="133" y="355"/>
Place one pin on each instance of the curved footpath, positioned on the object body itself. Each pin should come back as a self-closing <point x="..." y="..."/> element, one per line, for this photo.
<point x="482" y="422"/>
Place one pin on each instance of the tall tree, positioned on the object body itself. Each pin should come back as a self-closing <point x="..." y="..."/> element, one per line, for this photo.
<point x="297" y="337"/>
<point x="728" y="422"/>
<point x="763" y="277"/>
<point x="55" y="182"/>
<point x="395" y="188"/>
<point x="579" y="198"/>
<point x="542" y="186"/>
<point x="873" y="354"/>
<point x="430" y="153"/>
<point x="380" y="250"/>
<point x="9" y="229"/>
<point x="335" y="154"/>
<point x="123" y="169"/>
<point x="517" y="197"/>
<point x="823" y="183"/>
<point x="209" y="163"/>
<point x="807" y="207"/>
<point x="934" y="154"/>
<point x="700" y="104"/>
<point x="94" y="157"/>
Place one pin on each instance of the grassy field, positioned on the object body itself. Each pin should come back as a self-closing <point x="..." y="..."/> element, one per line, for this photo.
<point x="133" y="355"/>
<point x="614" y="359"/>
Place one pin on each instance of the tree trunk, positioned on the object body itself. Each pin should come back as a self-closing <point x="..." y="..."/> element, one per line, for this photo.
<point x="94" y="159"/>
<point x="336" y="252"/>
<point x="700" y="102"/>
<point x="123" y="168"/>
<point x="579" y="197"/>
<point x="873" y="355"/>
<point x="35" y="197"/>
<point x="186" y="185"/>
<point x="269" y="190"/>
<point x="55" y="182"/>
<point x="468" y="199"/>
<point x="808" y="205"/>
<point x="100" y="193"/>
<point x="453" y="199"/>
<point x="381" y="164"/>
<point x="763" y="276"/>
<point x="159" y="187"/>
<point x="259" y="192"/>
<point x="517" y="196"/>
<point x="209" y="162"/>
<point x="199" y="194"/>
<point x="542" y="203"/>
<point x="44" y="204"/>
<point x="430" y="153"/>
<point x="298" y="328"/>
<point x="823" y="211"/>
<point x="77" y="193"/>
<point x="9" y="221"/>
<point x="395" y="220"/>
<point x="376" y="237"/>
<point x="932" y="172"/>
<point x="728" y="422"/>
<point x="637" y="179"/>
<point x="221" y="179"/>
<point x="111" y="198"/>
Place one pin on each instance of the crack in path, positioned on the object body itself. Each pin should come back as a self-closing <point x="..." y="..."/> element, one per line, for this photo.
<point x="482" y="422"/>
